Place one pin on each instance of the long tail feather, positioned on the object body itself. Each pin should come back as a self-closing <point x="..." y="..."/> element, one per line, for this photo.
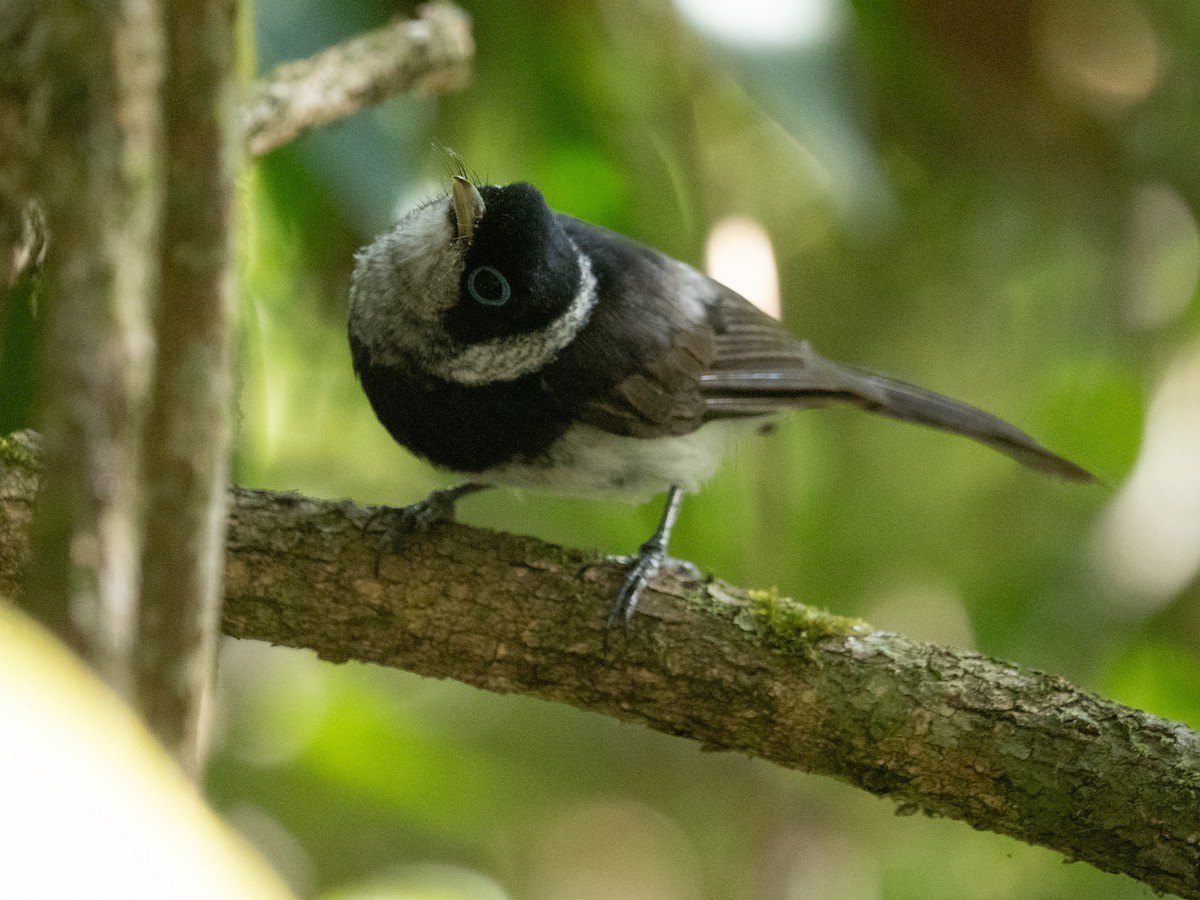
<point x="820" y="382"/>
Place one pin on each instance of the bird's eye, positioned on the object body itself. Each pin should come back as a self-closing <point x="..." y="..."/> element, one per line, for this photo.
<point x="488" y="286"/>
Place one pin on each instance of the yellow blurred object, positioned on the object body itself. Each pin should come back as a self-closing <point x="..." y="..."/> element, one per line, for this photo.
<point x="90" y="806"/>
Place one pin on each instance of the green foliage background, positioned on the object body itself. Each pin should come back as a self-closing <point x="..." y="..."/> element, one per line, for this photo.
<point x="951" y="201"/>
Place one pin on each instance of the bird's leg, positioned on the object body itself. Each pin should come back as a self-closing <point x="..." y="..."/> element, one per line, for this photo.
<point x="419" y="516"/>
<point x="648" y="561"/>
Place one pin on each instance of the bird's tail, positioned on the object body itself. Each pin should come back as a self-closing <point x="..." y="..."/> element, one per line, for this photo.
<point x="821" y="382"/>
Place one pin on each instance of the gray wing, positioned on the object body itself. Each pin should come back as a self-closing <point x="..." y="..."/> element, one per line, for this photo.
<point x="743" y="364"/>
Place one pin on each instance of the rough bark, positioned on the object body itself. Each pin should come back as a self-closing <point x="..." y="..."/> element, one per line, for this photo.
<point x="187" y="428"/>
<point x="429" y="53"/>
<point x="90" y="129"/>
<point x="941" y="731"/>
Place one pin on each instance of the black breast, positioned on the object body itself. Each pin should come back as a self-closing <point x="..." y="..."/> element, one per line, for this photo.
<point x="461" y="427"/>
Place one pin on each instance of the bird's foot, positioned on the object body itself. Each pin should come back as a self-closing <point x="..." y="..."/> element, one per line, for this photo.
<point x="651" y="559"/>
<point x="416" y="518"/>
<point x="684" y="568"/>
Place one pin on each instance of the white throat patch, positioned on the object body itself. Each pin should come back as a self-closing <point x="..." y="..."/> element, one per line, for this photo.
<point x="402" y="285"/>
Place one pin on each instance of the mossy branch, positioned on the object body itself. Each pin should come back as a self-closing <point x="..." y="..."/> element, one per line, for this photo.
<point x="942" y="731"/>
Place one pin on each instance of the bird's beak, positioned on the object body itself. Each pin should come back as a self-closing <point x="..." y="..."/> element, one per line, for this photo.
<point x="468" y="206"/>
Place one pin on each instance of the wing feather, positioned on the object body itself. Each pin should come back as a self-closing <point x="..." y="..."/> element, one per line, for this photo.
<point x="737" y="362"/>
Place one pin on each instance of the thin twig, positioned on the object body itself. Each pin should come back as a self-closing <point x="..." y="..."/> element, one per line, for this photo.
<point x="429" y="53"/>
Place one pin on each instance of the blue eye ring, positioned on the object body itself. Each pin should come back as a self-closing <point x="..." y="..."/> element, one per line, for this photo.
<point x="487" y="300"/>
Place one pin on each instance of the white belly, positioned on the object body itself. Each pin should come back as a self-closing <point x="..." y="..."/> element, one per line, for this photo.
<point x="588" y="461"/>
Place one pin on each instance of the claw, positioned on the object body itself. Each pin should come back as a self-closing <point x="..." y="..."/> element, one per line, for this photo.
<point x="417" y="518"/>
<point x="684" y="568"/>
<point x="650" y="558"/>
<point x="645" y="566"/>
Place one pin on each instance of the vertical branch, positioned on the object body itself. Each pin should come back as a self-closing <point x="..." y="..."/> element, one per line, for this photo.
<point x="187" y="430"/>
<point x="92" y="108"/>
<point x="115" y="117"/>
<point x="17" y="48"/>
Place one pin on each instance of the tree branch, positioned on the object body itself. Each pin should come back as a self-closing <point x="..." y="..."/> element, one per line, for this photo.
<point x="187" y="428"/>
<point x="91" y="154"/>
<point x="946" y="732"/>
<point x="429" y="53"/>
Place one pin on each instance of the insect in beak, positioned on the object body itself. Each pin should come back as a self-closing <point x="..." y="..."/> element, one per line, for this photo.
<point x="468" y="206"/>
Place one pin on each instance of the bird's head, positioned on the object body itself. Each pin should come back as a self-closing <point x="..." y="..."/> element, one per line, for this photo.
<point x="474" y="286"/>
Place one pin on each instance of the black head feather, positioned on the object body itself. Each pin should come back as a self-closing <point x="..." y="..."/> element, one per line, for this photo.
<point x="521" y="271"/>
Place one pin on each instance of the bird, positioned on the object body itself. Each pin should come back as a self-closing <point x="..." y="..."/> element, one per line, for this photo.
<point x="513" y="345"/>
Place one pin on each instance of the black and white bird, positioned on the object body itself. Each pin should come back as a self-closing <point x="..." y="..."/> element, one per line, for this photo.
<point x="514" y="345"/>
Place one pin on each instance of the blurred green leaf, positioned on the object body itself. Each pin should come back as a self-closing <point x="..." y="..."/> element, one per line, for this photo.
<point x="1157" y="676"/>
<point x="1093" y="410"/>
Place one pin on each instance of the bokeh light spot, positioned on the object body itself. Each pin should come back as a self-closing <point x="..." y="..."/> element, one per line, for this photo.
<point x="1164" y="257"/>
<point x="738" y="254"/>
<point x="1103" y="53"/>
<point x="765" y="23"/>
<point x="1148" y="543"/>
